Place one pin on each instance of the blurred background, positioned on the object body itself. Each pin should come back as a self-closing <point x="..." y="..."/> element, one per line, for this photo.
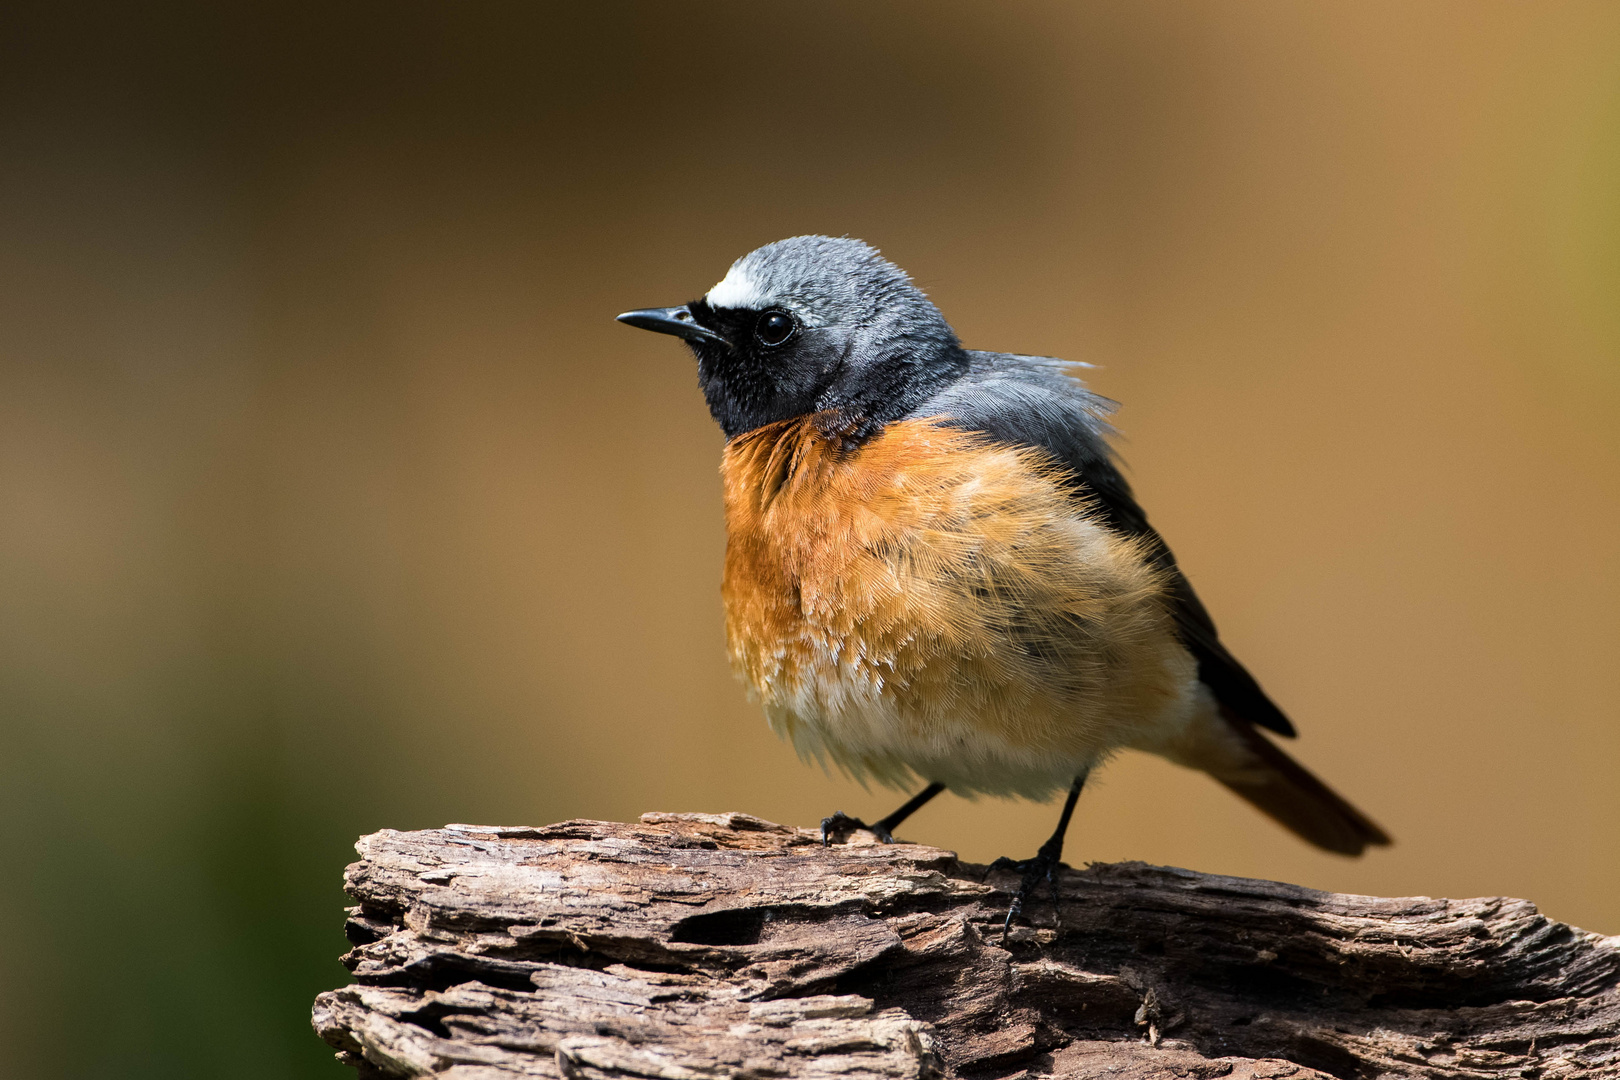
<point x="333" y="499"/>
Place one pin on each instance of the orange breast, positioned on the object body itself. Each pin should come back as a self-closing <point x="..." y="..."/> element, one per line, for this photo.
<point x="934" y="603"/>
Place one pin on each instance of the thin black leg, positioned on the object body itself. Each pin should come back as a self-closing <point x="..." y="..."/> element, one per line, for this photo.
<point x="840" y="825"/>
<point x="913" y="804"/>
<point x="1043" y="867"/>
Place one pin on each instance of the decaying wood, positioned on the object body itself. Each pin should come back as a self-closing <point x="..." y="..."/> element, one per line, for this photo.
<point x="697" y="946"/>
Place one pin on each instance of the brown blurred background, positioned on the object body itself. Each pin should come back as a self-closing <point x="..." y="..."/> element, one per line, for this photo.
<point x="332" y="498"/>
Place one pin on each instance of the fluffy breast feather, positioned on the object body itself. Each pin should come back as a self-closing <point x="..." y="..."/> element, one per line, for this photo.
<point x="933" y="603"/>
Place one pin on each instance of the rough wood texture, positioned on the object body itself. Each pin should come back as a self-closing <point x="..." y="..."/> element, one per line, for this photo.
<point x="696" y="946"/>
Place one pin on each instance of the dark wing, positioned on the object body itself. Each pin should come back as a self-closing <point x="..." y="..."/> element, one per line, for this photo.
<point x="1031" y="400"/>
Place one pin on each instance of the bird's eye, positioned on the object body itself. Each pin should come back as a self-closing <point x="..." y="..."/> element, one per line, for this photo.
<point x="774" y="327"/>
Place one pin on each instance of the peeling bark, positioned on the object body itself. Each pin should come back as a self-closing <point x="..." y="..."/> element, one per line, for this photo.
<point x="720" y="945"/>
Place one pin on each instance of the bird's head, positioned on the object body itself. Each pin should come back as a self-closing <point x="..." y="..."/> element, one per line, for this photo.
<point x="813" y="325"/>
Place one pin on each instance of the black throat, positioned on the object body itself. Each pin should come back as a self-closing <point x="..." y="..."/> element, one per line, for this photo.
<point x="853" y="388"/>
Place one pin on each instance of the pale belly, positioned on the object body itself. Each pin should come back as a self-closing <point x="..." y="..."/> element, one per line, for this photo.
<point x="932" y="607"/>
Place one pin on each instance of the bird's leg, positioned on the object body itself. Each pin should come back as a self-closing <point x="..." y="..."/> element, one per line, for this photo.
<point x="840" y="825"/>
<point x="1045" y="863"/>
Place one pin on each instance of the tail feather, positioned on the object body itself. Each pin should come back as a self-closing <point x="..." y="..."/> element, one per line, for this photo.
<point x="1282" y="788"/>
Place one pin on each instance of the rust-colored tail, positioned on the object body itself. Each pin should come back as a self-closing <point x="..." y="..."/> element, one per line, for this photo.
<point x="1281" y="788"/>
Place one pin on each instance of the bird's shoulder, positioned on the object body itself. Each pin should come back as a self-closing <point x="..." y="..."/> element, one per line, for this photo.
<point x="1034" y="401"/>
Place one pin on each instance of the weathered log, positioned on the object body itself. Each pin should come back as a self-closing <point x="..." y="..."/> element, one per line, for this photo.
<point x="696" y="945"/>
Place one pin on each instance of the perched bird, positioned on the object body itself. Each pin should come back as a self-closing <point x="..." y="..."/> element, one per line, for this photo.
<point x="935" y="571"/>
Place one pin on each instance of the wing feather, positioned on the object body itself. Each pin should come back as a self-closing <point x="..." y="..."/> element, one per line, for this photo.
<point x="1033" y="401"/>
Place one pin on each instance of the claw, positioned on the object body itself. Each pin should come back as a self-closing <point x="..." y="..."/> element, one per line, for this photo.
<point x="1043" y="867"/>
<point x="840" y="825"/>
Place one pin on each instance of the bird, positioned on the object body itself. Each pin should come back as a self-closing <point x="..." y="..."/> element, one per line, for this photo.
<point x="936" y="572"/>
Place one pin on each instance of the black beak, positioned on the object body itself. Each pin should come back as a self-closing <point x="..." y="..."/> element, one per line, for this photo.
<point x="671" y="320"/>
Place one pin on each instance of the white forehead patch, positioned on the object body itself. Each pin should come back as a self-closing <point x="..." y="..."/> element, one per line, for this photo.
<point x="737" y="290"/>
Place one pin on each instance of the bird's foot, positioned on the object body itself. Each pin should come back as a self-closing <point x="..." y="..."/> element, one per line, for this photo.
<point x="839" y="827"/>
<point x="1043" y="867"/>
